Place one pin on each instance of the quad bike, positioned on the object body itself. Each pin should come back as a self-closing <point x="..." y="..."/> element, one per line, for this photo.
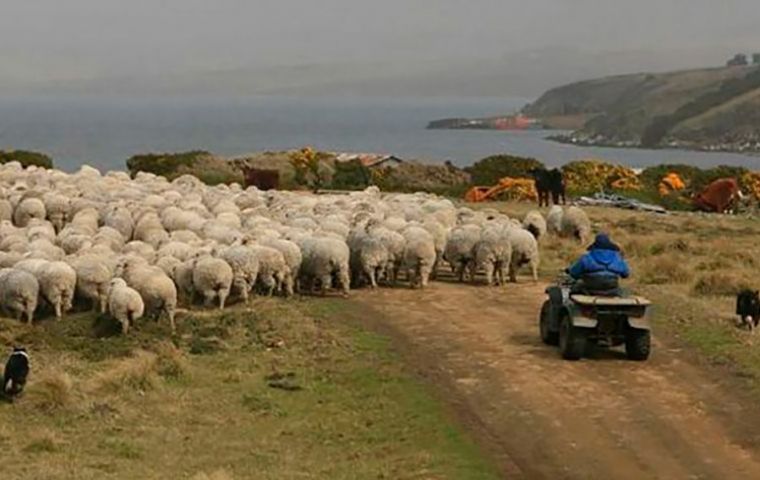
<point x="578" y="321"/>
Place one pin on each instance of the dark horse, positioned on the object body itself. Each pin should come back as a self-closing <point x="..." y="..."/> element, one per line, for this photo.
<point x="549" y="182"/>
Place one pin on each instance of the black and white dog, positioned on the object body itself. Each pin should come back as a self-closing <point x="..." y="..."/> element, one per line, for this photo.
<point x="16" y="371"/>
<point x="748" y="308"/>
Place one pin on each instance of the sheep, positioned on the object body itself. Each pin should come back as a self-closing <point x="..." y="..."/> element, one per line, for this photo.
<point x="27" y="209"/>
<point x="274" y="273"/>
<point x="419" y="259"/>
<point x="460" y="247"/>
<point x="493" y="254"/>
<point x="369" y="258"/>
<point x="323" y="258"/>
<point x="534" y="223"/>
<point x="57" y="283"/>
<point x="290" y="251"/>
<point x="576" y="224"/>
<point x="554" y="220"/>
<point x="155" y="287"/>
<point x="93" y="276"/>
<point x="19" y="291"/>
<point x="524" y="251"/>
<point x="124" y="303"/>
<point x="57" y="209"/>
<point x="245" y="268"/>
<point x="212" y="278"/>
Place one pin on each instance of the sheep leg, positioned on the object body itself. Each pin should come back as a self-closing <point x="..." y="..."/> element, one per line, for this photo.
<point x="424" y="276"/>
<point x="223" y="293"/>
<point x="208" y="298"/>
<point x="345" y="282"/>
<point x="534" y="270"/>
<point x="57" y="307"/>
<point x="460" y="271"/>
<point x="489" y="270"/>
<point x="370" y="273"/>
<point x="325" y="281"/>
<point x="513" y="272"/>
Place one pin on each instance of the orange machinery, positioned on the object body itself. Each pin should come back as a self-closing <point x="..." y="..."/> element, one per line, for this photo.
<point x="522" y="189"/>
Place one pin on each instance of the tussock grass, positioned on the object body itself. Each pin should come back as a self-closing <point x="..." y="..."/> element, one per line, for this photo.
<point x="664" y="270"/>
<point x="720" y="284"/>
<point x="138" y="372"/>
<point x="54" y="390"/>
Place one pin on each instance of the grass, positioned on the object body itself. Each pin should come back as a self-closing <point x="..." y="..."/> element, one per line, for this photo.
<point x="276" y="392"/>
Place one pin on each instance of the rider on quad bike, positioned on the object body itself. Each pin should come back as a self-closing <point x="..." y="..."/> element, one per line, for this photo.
<point x="597" y="272"/>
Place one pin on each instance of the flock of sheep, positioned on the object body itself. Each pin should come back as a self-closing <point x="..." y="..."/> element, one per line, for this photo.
<point x="134" y="247"/>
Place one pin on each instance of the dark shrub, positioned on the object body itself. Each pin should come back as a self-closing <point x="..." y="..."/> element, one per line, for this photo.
<point x="489" y="170"/>
<point x="351" y="175"/>
<point x="165" y="164"/>
<point x="26" y="158"/>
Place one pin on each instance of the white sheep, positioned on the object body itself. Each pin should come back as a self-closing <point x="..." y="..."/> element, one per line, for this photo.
<point x="212" y="278"/>
<point x="323" y="258"/>
<point x="534" y="223"/>
<point x="93" y="276"/>
<point x="554" y="220"/>
<point x="524" y="252"/>
<point x="460" y="248"/>
<point x="57" y="283"/>
<point x="155" y="287"/>
<point x="576" y="224"/>
<point x="19" y="291"/>
<point x="493" y="254"/>
<point x="124" y="304"/>
<point x="27" y="209"/>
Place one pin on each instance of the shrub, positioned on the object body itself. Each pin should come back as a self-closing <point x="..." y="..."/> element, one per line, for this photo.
<point x="489" y="170"/>
<point x="26" y="158"/>
<point x="664" y="270"/>
<point x="207" y="168"/>
<point x="164" y="164"/>
<point x="351" y="175"/>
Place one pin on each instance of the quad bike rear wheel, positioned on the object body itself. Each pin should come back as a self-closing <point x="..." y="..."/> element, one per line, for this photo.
<point x="544" y="323"/>
<point x="637" y="344"/>
<point x="572" y="340"/>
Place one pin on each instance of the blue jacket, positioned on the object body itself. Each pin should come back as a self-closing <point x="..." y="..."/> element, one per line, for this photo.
<point x="600" y="262"/>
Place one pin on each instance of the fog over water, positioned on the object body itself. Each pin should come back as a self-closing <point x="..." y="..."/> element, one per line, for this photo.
<point x="104" y="132"/>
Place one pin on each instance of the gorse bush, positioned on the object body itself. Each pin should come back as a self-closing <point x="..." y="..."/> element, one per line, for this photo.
<point x="165" y="164"/>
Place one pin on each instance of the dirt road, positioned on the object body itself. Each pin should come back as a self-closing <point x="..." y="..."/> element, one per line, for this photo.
<point x="542" y="417"/>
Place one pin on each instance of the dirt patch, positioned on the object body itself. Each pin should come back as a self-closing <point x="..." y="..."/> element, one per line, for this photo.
<point x="541" y="417"/>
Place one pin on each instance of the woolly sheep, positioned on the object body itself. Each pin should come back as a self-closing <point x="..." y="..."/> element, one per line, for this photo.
<point x="124" y="304"/>
<point x="57" y="283"/>
<point x="554" y="219"/>
<point x="28" y="209"/>
<point x="212" y="278"/>
<point x="524" y="252"/>
<point x="18" y="293"/>
<point x="93" y="275"/>
<point x="493" y="254"/>
<point x="245" y="268"/>
<point x="534" y="223"/>
<point x="576" y="224"/>
<point x="155" y="287"/>
<point x="323" y="258"/>
<point x="419" y="259"/>
<point x="460" y="248"/>
<point x="274" y="273"/>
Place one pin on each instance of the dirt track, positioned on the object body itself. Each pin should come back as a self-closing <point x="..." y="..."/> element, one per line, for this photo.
<point x="542" y="417"/>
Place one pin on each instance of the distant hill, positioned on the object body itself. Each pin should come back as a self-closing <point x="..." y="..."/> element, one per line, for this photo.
<point x="716" y="109"/>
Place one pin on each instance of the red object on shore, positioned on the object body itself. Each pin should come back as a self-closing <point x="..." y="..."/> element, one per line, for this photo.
<point x="516" y="122"/>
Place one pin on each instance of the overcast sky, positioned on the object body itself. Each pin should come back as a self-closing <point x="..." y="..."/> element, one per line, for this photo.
<point x="43" y="40"/>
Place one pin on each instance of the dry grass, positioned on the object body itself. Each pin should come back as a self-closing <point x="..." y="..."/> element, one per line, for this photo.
<point x="721" y="283"/>
<point x="217" y="475"/>
<point x="138" y="372"/>
<point x="54" y="390"/>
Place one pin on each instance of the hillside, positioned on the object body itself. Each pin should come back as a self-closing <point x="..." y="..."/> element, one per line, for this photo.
<point x="708" y="108"/>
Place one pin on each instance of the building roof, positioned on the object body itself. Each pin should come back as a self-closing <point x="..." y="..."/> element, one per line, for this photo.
<point x="369" y="160"/>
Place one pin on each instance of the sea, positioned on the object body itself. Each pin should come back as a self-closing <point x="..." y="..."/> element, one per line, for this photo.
<point x="103" y="131"/>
